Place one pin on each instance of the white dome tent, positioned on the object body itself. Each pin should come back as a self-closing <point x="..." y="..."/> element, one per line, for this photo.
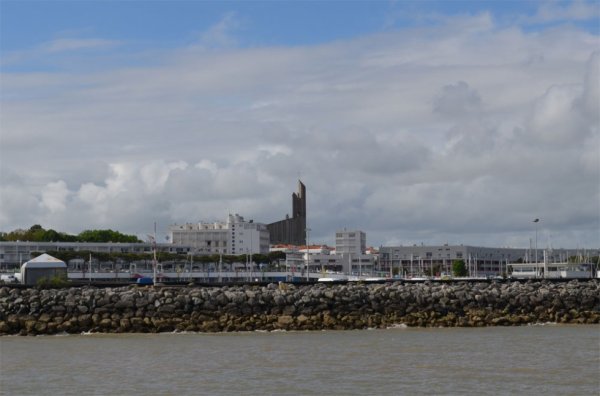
<point x="43" y="266"/>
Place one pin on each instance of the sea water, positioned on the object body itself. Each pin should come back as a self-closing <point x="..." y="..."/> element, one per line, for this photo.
<point x="532" y="360"/>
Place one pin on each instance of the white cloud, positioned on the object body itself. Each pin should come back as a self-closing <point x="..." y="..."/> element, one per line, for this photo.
<point x="576" y="10"/>
<point x="75" y="44"/>
<point x="208" y="165"/>
<point x="55" y="48"/>
<point x="425" y="134"/>
<point x="457" y="100"/>
<point x="554" y="120"/>
<point x="54" y="196"/>
<point x="221" y="34"/>
<point x="590" y="99"/>
<point x="156" y="174"/>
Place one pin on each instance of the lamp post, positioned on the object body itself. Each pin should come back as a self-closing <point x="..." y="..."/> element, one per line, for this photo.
<point x="220" y="278"/>
<point x="307" y="260"/>
<point x="536" y="221"/>
<point x="154" y="257"/>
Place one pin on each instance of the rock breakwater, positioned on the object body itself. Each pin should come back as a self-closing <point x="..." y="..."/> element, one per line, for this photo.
<point x="289" y="307"/>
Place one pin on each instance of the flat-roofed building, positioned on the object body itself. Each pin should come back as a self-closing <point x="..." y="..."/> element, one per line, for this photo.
<point x="419" y="260"/>
<point x="13" y="254"/>
<point x="350" y="242"/>
<point x="233" y="236"/>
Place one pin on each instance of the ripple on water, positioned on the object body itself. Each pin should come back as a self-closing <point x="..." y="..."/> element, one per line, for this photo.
<point x="540" y="359"/>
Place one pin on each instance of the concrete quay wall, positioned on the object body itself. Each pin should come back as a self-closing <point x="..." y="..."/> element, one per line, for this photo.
<point x="290" y="307"/>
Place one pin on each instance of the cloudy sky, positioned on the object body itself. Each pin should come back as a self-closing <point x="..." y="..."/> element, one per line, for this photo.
<point x="416" y="122"/>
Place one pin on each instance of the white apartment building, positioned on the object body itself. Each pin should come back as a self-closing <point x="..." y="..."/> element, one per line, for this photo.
<point x="351" y="247"/>
<point x="234" y="236"/>
<point x="350" y="242"/>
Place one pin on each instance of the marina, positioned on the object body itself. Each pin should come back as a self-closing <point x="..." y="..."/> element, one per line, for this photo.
<point x="554" y="272"/>
<point x="289" y="267"/>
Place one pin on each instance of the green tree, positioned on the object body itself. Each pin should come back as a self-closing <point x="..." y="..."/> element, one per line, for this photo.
<point x="51" y="235"/>
<point x="459" y="268"/>
<point x="276" y="256"/>
<point x="259" y="258"/>
<point x="15" y="235"/>
<point x="106" y="236"/>
<point x="37" y="233"/>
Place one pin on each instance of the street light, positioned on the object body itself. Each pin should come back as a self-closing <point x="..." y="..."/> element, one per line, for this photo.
<point x="536" y="221"/>
<point x="154" y="257"/>
<point x="307" y="260"/>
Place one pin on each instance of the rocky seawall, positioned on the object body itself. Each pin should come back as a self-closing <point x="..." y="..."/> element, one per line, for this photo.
<point x="288" y="307"/>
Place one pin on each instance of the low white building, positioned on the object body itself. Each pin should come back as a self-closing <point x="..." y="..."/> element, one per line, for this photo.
<point x="14" y="254"/>
<point x="423" y="260"/>
<point x="233" y="236"/>
<point x="322" y="258"/>
<point x="350" y="242"/>
<point x="351" y="248"/>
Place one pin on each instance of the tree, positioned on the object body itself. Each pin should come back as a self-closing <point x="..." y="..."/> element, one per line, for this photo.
<point x="260" y="258"/>
<point x="51" y="235"/>
<point x="106" y="236"/>
<point x="459" y="268"/>
<point x="37" y="233"/>
<point x="274" y="257"/>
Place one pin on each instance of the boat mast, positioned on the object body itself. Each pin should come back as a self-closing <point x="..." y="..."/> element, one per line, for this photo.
<point x="221" y="267"/>
<point x="191" y="265"/>
<point x="154" y="258"/>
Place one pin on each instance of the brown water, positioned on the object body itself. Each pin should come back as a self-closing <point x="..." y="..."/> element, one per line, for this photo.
<point x="531" y="360"/>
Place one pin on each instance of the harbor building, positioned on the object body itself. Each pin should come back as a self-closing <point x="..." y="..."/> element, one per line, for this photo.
<point x="233" y="236"/>
<point x="351" y="248"/>
<point x="291" y="230"/>
<point x="349" y="257"/>
<point x="420" y="260"/>
<point x="13" y="254"/>
<point x="350" y="242"/>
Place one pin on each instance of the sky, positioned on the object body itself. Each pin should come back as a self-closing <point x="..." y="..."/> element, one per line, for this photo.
<point x="414" y="121"/>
